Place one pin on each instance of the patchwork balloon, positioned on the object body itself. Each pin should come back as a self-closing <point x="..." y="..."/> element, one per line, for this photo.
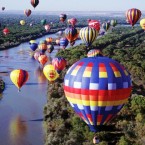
<point x="97" y="88"/>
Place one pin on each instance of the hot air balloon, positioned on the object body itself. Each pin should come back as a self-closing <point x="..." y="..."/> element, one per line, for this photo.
<point x="33" y="46"/>
<point x="2" y="86"/>
<point x="50" y="48"/>
<point x="57" y="41"/>
<point x="106" y="26"/>
<point x="22" y="22"/>
<point x="71" y="34"/>
<point x="31" y="24"/>
<point x="43" y="22"/>
<point x="133" y="15"/>
<point x="142" y="24"/>
<point x="42" y="47"/>
<point x="47" y="27"/>
<point x="97" y="88"/>
<point x="50" y="72"/>
<point x="59" y="64"/>
<point x="19" y="77"/>
<point x="27" y="12"/>
<point x="36" y="55"/>
<point x="42" y="59"/>
<point x="6" y="31"/>
<point x="34" y="3"/>
<point x="42" y="42"/>
<point x="49" y="40"/>
<point x="94" y="53"/>
<point x="3" y="8"/>
<point x="88" y="35"/>
<point x="94" y="24"/>
<point x="62" y="17"/>
<point x="113" y="23"/>
<point x="32" y="41"/>
<point x="63" y="43"/>
<point x="72" y="21"/>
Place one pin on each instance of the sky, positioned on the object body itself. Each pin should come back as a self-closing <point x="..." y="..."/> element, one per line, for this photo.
<point x="75" y="5"/>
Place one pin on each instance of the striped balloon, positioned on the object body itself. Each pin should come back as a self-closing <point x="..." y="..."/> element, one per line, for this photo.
<point x="19" y="77"/>
<point x="88" y="35"/>
<point x="113" y="23"/>
<point x="133" y="15"/>
<point x="94" y="53"/>
<point x="63" y="43"/>
<point x="142" y="24"/>
<point x="106" y="26"/>
<point x="71" y="34"/>
<point x="27" y="12"/>
<point x="97" y="88"/>
<point x="34" y="3"/>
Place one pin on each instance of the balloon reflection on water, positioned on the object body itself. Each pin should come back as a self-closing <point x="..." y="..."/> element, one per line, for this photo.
<point x="18" y="130"/>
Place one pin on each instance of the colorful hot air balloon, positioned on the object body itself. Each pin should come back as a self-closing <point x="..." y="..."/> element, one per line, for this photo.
<point x="50" y="48"/>
<point x="94" y="24"/>
<point x="42" y="47"/>
<point x="97" y="88"/>
<point x="106" y="26"/>
<point x="62" y="17"/>
<point x="94" y="53"/>
<point x="2" y="86"/>
<point x="113" y="23"/>
<point x="36" y="55"/>
<point x="71" y="34"/>
<point x="72" y="21"/>
<point x="27" y="12"/>
<point x="34" y="3"/>
<point x="50" y="72"/>
<point x="63" y="43"/>
<point x="47" y="27"/>
<point x="88" y="35"/>
<point x="22" y="22"/>
<point x="33" y="46"/>
<point x="59" y="64"/>
<point x="6" y="31"/>
<point x="42" y="59"/>
<point x="133" y="15"/>
<point x="43" y="22"/>
<point x="49" y="40"/>
<point x="142" y="23"/>
<point x="19" y="77"/>
<point x="32" y="41"/>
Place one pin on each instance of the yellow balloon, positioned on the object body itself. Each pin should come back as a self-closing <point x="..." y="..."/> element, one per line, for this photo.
<point x="142" y="23"/>
<point x="50" y="72"/>
<point x="32" y="41"/>
<point x="19" y="77"/>
<point x="22" y="22"/>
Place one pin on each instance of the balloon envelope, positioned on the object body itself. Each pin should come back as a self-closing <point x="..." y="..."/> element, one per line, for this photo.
<point x="142" y="23"/>
<point x="97" y="88"/>
<point x="94" y="24"/>
<point x="2" y="86"/>
<point x="34" y="3"/>
<point x="19" y="77"/>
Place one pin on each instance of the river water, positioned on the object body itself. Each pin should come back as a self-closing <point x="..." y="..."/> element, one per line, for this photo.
<point x="21" y="112"/>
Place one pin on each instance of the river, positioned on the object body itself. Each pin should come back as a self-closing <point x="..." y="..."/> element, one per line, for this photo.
<point x="20" y="112"/>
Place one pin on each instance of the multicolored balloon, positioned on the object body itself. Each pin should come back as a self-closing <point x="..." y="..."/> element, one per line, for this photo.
<point x="63" y="43"/>
<point x="50" y="48"/>
<point x="42" y="47"/>
<point x="97" y="88"/>
<point x="72" y="21"/>
<point x="62" y="17"/>
<point x="27" y="12"/>
<point x="142" y="23"/>
<point x="57" y="41"/>
<point x="71" y="34"/>
<point x="59" y="64"/>
<point x="42" y="59"/>
<point x="49" y="40"/>
<point x="34" y="3"/>
<point x="94" y="53"/>
<point x="37" y="54"/>
<point x="88" y="35"/>
<point x="133" y="15"/>
<point x="106" y="26"/>
<point x="19" y="77"/>
<point x="50" y="72"/>
<point x="94" y="24"/>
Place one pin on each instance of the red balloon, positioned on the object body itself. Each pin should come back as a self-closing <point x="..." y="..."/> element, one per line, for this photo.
<point x="6" y="31"/>
<point x="94" y="24"/>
